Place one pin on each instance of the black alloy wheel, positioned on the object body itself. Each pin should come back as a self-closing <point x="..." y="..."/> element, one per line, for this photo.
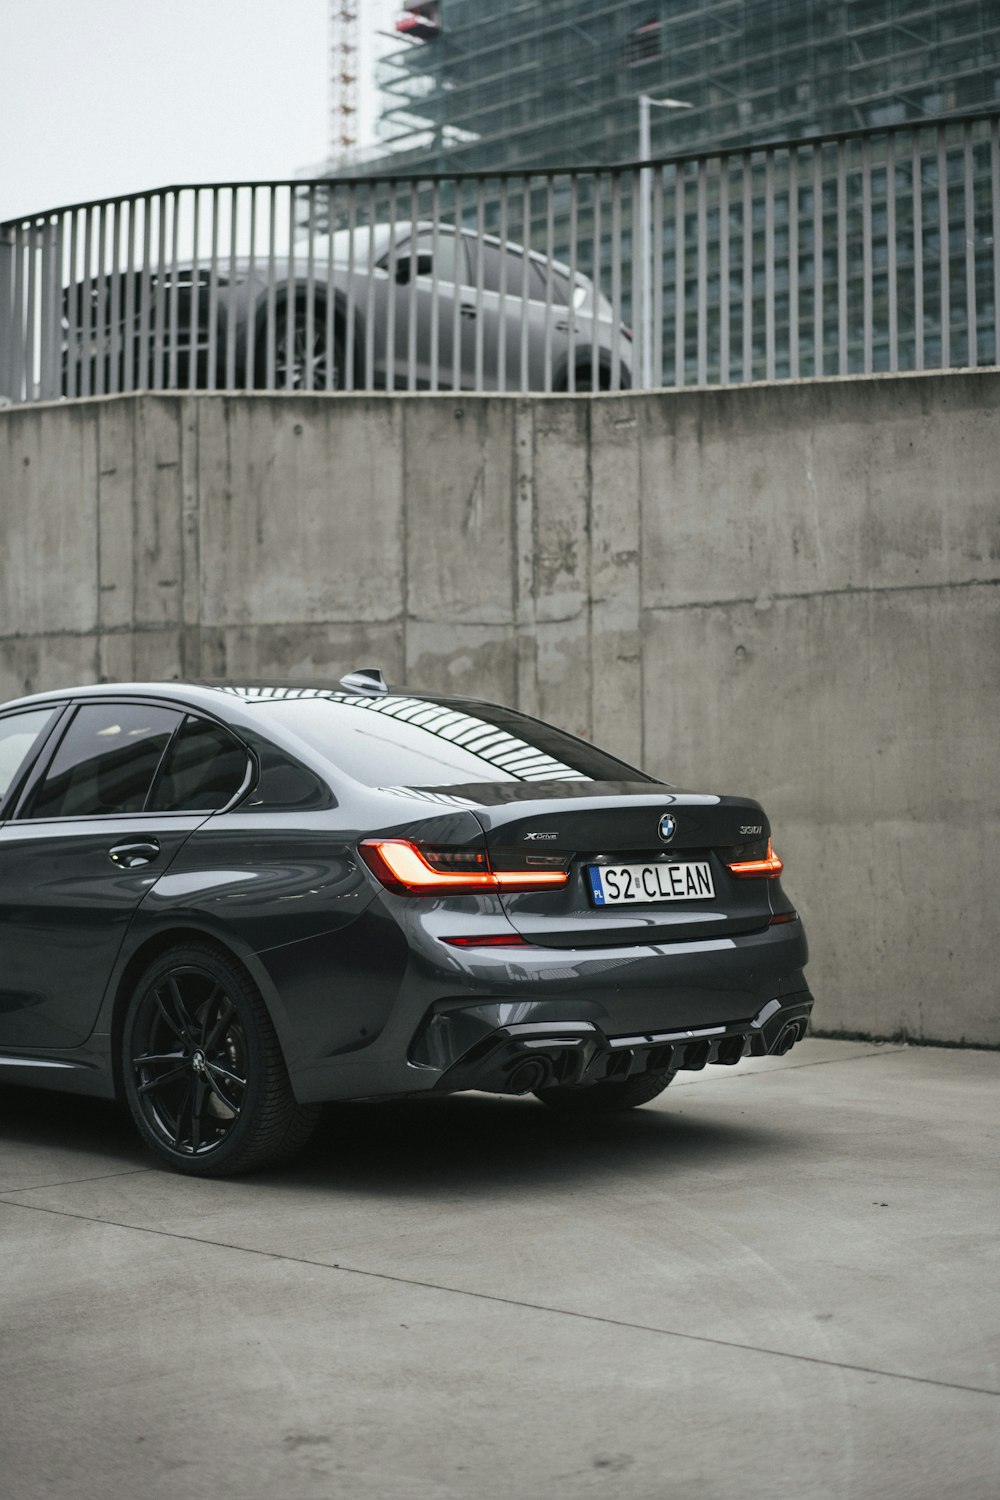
<point x="204" y="1075"/>
<point x="607" y="1098"/>
<point x="293" y="346"/>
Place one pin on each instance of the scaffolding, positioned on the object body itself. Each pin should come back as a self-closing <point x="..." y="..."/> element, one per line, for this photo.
<point x="527" y="83"/>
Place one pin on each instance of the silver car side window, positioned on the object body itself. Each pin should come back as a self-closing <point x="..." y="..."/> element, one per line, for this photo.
<point x="445" y="256"/>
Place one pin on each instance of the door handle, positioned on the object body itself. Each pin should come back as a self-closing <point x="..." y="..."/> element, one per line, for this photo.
<point x="131" y="856"/>
<point x="468" y="311"/>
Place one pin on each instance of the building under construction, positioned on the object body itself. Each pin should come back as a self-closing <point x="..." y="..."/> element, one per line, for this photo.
<point x="526" y="86"/>
<point x="501" y="84"/>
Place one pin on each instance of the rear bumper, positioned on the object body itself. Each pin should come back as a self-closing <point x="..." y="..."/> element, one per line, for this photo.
<point x="459" y="1016"/>
<point x="484" y="1047"/>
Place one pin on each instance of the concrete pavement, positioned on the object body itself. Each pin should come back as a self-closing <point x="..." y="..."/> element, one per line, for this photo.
<point x="776" y="1281"/>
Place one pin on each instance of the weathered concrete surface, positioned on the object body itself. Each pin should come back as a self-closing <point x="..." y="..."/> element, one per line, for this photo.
<point x="786" y="590"/>
<point x="774" y="1283"/>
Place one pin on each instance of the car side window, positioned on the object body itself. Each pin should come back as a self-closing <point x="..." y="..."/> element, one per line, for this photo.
<point x="446" y="263"/>
<point x="485" y="259"/>
<point x="19" y="736"/>
<point x="561" y="294"/>
<point x="105" y="762"/>
<point x="540" y="274"/>
<point x="202" y="771"/>
<point x="525" y="277"/>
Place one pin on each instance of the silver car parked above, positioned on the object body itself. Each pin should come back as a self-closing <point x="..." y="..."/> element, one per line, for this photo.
<point x="404" y="306"/>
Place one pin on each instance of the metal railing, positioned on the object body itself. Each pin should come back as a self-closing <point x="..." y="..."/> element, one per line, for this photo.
<point x="858" y="252"/>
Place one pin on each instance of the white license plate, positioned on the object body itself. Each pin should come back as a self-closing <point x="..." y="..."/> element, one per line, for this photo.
<point x="630" y="885"/>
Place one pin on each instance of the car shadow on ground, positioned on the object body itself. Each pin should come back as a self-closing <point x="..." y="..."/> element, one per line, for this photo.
<point x="68" y="1123"/>
<point x="472" y="1143"/>
<point x="478" y="1145"/>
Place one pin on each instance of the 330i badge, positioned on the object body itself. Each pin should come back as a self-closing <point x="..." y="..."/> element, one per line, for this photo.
<point x="227" y="904"/>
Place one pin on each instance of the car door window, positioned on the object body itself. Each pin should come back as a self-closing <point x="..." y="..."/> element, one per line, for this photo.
<point x="202" y="771"/>
<point x="19" y="736"/>
<point x="486" y="261"/>
<point x="561" y="295"/>
<point x="445" y="256"/>
<point x="105" y="762"/>
<point x="524" y="277"/>
<point x="522" y="269"/>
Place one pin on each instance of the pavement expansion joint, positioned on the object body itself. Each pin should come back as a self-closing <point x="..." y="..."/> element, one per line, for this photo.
<point x="38" y="1187"/>
<point x="540" y="1307"/>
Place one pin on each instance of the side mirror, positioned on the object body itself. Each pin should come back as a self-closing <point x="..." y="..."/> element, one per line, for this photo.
<point x="405" y="270"/>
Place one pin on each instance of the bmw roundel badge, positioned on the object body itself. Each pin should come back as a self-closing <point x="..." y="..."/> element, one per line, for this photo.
<point x="668" y="827"/>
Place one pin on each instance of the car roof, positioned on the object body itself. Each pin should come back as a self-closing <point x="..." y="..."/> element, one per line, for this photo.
<point x="214" y="697"/>
<point x="384" y="232"/>
<point x="196" y="690"/>
<point x="238" y="704"/>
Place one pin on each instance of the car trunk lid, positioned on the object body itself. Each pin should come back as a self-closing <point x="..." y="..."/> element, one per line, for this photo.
<point x="675" y="844"/>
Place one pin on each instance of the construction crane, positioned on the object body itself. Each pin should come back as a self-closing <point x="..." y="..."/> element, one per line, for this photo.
<point x="343" y="39"/>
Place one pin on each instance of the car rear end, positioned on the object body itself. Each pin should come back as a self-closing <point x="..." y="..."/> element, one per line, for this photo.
<point x="567" y="920"/>
<point x="126" y="330"/>
<point x="572" y="944"/>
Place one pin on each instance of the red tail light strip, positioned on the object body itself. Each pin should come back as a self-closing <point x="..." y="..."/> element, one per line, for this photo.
<point x="401" y="866"/>
<point x="494" y="940"/>
<point x="770" y="866"/>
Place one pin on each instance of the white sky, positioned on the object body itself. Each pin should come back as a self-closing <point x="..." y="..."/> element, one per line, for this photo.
<point x="101" y="97"/>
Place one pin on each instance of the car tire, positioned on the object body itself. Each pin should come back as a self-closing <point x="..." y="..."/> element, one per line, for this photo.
<point x="298" y="351"/>
<point x="583" y="381"/>
<point x="203" y="1071"/>
<point x="606" y="1098"/>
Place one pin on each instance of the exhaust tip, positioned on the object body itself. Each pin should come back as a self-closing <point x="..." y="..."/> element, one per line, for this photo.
<point x="527" y="1076"/>
<point x="787" y="1038"/>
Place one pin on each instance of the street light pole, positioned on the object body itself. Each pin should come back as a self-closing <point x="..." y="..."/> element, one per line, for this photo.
<point x="646" y="103"/>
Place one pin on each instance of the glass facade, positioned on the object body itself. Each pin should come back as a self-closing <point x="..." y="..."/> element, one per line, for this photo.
<point x="884" y="250"/>
<point x="526" y="83"/>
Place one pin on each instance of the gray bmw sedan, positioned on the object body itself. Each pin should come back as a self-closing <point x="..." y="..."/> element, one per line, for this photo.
<point x="228" y="904"/>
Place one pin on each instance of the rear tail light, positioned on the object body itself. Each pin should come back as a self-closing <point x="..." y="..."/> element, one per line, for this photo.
<point x="755" y="860"/>
<point x="784" y="916"/>
<point x="410" y="870"/>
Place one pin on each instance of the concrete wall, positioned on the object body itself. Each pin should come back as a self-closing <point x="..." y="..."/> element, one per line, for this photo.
<point x="788" y="591"/>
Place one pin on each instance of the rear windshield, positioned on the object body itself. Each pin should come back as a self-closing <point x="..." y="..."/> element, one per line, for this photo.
<point x="413" y="742"/>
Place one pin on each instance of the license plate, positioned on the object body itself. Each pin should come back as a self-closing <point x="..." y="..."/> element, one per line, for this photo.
<point x="632" y="885"/>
